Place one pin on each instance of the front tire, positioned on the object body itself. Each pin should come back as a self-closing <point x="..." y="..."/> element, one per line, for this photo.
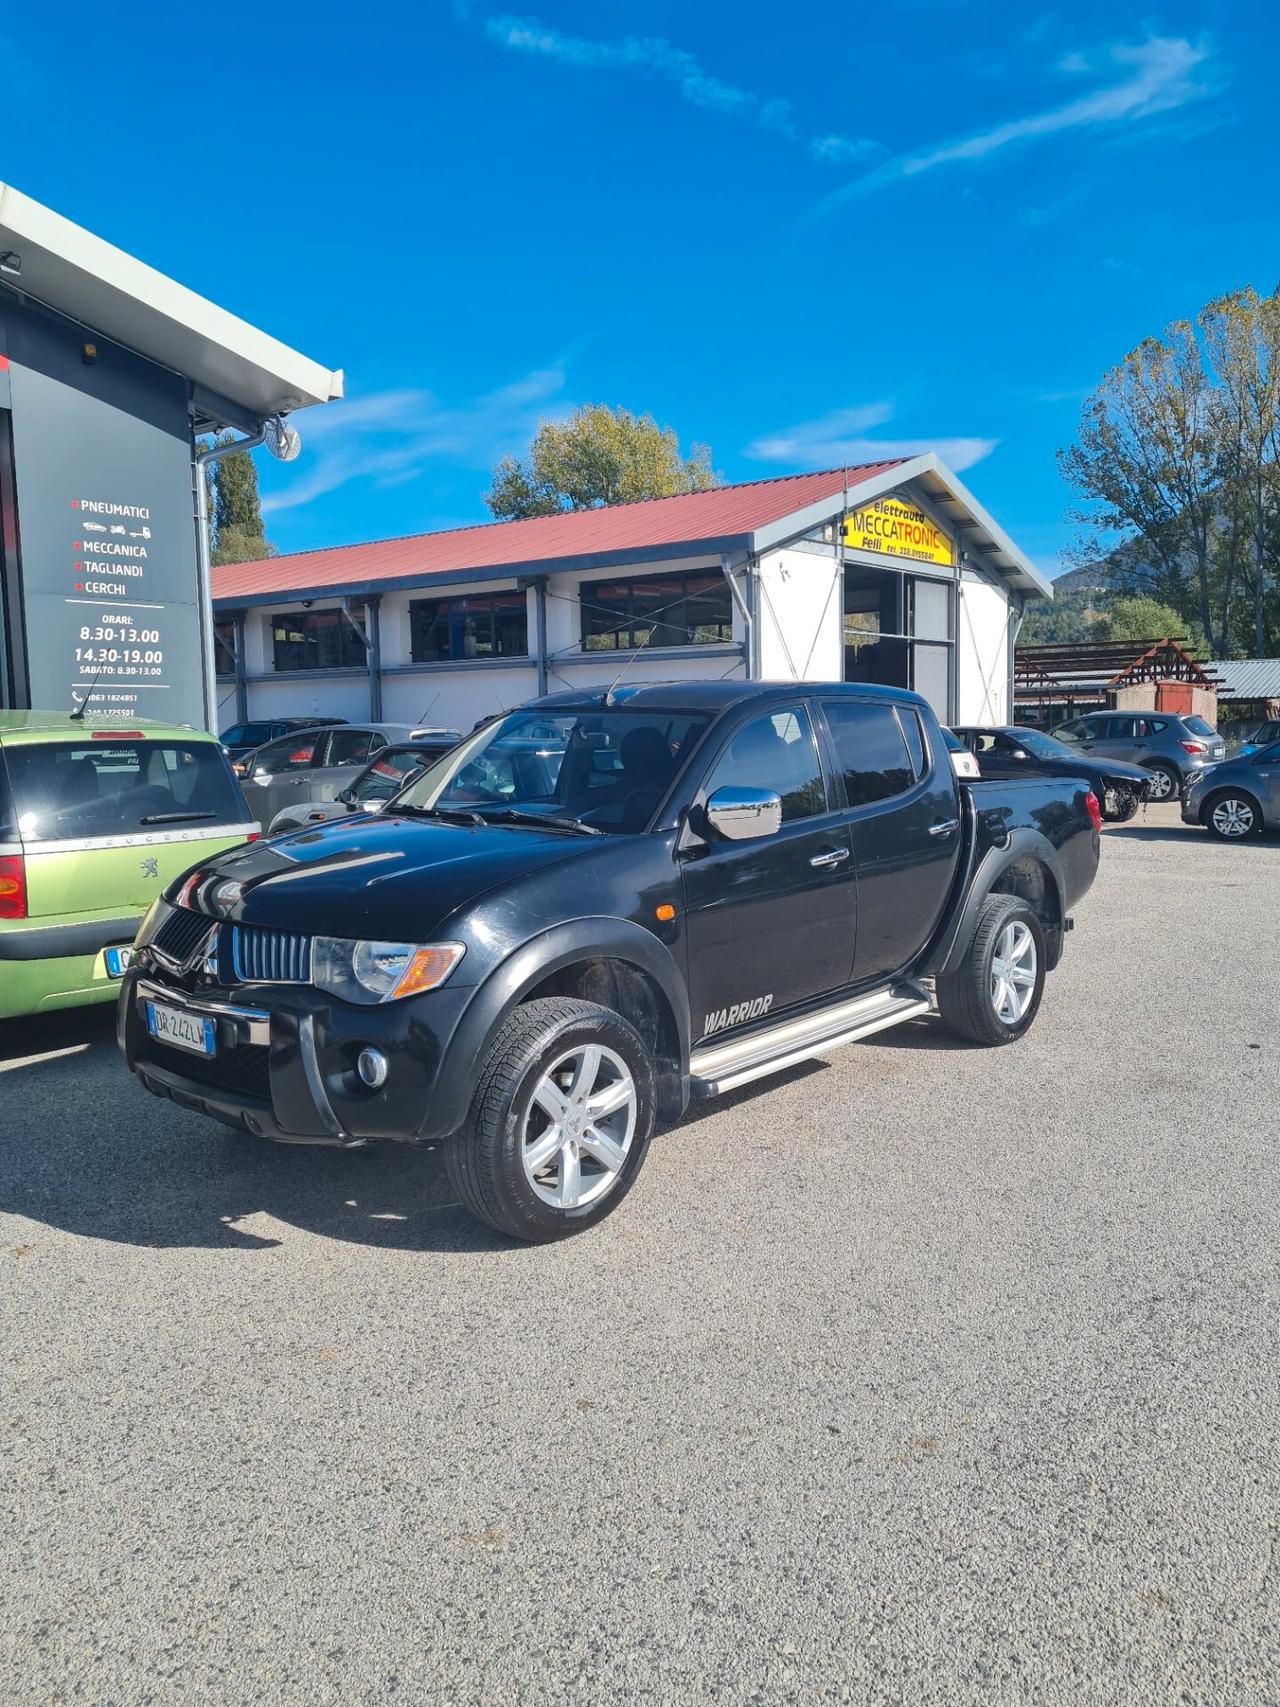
<point x="1166" y="784"/>
<point x="1232" y="816"/>
<point x="560" y="1121"/>
<point x="994" y="995"/>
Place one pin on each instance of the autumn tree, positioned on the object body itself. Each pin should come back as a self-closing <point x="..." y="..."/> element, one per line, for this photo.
<point x="599" y="455"/>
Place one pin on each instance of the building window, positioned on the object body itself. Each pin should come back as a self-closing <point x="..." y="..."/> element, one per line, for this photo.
<point x="224" y="648"/>
<point x="316" y="640"/>
<point x="656" y="610"/>
<point x="492" y="625"/>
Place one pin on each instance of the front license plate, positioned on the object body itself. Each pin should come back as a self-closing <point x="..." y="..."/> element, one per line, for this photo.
<point x="118" y="961"/>
<point x="183" y="1030"/>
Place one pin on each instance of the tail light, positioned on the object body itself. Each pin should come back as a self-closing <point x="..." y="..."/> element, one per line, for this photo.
<point x="13" y="887"/>
<point x="1093" y="809"/>
<point x="1193" y="746"/>
<point x="254" y="836"/>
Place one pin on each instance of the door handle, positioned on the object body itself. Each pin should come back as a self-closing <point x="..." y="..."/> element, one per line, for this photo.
<point x="836" y="857"/>
<point x="946" y="828"/>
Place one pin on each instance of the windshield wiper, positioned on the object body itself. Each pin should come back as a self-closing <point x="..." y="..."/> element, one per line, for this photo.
<point x="513" y="815"/>
<point x="450" y="814"/>
<point x="175" y="817"/>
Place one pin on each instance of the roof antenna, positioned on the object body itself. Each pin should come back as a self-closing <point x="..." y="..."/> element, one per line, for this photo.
<point x="435" y="696"/>
<point x="613" y="685"/>
<point x="77" y="716"/>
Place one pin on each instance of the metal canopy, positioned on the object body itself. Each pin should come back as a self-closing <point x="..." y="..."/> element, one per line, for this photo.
<point x="229" y="362"/>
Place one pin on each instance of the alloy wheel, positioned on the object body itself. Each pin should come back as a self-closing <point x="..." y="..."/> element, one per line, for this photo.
<point x="579" y="1127"/>
<point x="1233" y="817"/>
<point x="1162" y="786"/>
<point x="1013" y="972"/>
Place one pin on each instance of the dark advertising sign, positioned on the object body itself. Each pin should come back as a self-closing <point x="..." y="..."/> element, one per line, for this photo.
<point x="102" y="474"/>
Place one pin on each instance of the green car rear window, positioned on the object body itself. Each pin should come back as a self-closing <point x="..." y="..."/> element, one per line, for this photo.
<point x="107" y="787"/>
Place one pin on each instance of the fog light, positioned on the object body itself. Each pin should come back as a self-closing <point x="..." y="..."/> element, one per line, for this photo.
<point x="372" y="1067"/>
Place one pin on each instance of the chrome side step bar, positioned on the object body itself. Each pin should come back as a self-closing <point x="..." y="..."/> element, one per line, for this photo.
<point x="718" y="1067"/>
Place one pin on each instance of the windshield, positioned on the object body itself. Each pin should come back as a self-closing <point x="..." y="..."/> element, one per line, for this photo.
<point x="112" y="787"/>
<point x="600" y="768"/>
<point x="1042" y="746"/>
<point x="1198" y="726"/>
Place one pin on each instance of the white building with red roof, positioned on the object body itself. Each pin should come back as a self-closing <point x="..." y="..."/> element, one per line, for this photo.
<point x="889" y="572"/>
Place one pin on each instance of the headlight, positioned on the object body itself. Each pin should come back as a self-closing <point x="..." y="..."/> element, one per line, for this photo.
<point x="381" y="971"/>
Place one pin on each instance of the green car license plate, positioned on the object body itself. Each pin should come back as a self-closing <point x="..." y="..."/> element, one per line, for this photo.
<point x="182" y="1030"/>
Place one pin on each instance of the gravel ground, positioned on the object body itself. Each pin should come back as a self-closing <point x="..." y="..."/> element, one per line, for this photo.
<point x="925" y="1375"/>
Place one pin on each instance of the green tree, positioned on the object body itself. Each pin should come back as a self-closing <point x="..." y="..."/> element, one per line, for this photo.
<point x="1140" y="617"/>
<point x="235" y="509"/>
<point x="1178" y="455"/>
<point x="599" y="455"/>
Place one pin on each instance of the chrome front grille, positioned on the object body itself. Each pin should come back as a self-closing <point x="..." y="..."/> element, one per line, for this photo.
<point x="261" y="956"/>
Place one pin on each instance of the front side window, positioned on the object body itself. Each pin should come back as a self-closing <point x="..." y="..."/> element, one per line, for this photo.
<point x="111" y="787"/>
<point x="316" y="640"/>
<point x="599" y="768"/>
<point x="291" y="753"/>
<point x="870" y="751"/>
<point x="487" y="625"/>
<point x="656" y="610"/>
<point x="776" y="752"/>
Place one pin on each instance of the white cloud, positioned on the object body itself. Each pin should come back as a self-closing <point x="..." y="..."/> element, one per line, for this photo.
<point x="1161" y="76"/>
<point x="843" y="437"/>
<point x="661" y="58"/>
<point x="391" y="437"/>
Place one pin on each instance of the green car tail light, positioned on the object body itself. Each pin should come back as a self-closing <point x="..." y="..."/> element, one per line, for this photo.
<point x="13" y="887"/>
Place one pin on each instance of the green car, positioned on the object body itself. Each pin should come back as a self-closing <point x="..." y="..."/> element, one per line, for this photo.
<point x="95" y="820"/>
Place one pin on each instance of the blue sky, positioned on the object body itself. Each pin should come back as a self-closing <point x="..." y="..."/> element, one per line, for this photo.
<point x="803" y="235"/>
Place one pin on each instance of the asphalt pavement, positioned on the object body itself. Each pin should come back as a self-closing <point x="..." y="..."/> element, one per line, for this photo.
<point x="925" y="1374"/>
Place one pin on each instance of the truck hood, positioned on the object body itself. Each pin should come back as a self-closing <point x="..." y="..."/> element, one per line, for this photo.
<point x="388" y="879"/>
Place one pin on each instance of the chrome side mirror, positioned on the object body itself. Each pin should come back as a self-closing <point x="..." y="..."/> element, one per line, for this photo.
<point x="742" y="814"/>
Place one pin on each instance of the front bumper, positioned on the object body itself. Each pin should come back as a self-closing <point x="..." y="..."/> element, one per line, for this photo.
<point x="284" y="1065"/>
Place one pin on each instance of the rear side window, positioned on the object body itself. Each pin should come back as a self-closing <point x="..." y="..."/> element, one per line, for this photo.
<point x="352" y="746"/>
<point x="775" y="752"/>
<point x="910" y="721"/>
<point x="871" y="752"/>
<point x="63" y="792"/>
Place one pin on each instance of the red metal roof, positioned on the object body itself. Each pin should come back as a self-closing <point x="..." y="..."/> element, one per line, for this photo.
<point x="727" y="512"/>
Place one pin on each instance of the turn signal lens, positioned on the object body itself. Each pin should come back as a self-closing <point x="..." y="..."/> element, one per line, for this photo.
<point x="13" y="887"/>
<point x="427" y="968"/>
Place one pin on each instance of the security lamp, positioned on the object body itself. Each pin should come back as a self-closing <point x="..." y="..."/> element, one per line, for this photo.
<point x="11" y="262"/>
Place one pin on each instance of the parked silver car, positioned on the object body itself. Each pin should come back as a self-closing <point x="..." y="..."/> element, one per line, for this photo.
<point x="366" y="788"/>
<point x="312" y="764"/>
<point x="1173" y="748"/>
<point x="1238" y="799"/>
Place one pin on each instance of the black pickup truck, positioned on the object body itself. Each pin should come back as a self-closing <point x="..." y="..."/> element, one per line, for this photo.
<point x="593" y="909"/>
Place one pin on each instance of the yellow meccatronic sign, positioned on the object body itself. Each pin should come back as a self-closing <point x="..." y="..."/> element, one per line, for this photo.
<point x="895" y="529"/>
